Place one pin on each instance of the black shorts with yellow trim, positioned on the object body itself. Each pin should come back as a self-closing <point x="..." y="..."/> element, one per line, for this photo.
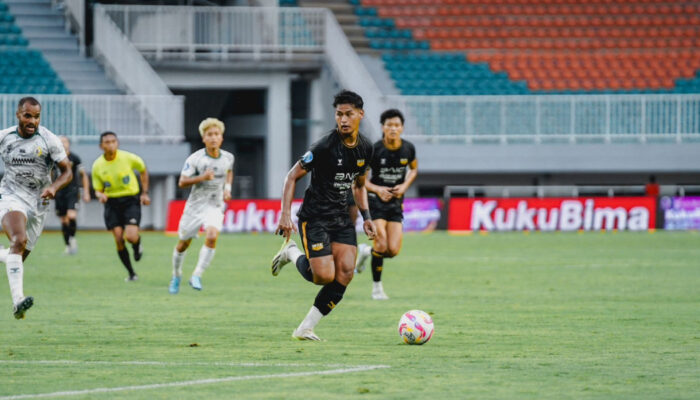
<point x="318" y="234"/>
<point x="391" y="211"/>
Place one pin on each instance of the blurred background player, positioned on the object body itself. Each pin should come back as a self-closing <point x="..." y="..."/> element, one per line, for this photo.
<point x="338" y="163"/>
<point x="68" y="197"/>
<point x="210" y="173"/>
<point x="387" y="185"/>
<point x="29" y="152"/>
<point x="115" y="186"/>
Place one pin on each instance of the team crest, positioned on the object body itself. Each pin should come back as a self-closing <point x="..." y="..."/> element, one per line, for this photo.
<point x="38" y="152"/>
<point x="404" y="161"/>
<point x="361" y="162"/>
<point x="316" y="246"/>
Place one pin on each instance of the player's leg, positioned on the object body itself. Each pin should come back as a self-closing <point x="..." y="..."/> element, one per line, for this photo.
<point x="71" y="217"/>
<point x="379" y="247"/>
<point x="14" y="223"/>
<point x="393" y="232"/>
<point x="132" y="219"/>
<point x="178" y="259"/>
<point x="118" y="233"/>
<point x="213" y="223"/>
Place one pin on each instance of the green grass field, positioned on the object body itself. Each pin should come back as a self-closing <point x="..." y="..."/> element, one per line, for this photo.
<point x="517" y="316"/>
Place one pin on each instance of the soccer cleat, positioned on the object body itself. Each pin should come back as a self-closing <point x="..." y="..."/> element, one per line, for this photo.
<point x="378" y="292"/>
<point x="363" y="252"/>
<point x="20" y="308"/>
<point x="131" y="278"/>
<point x="305" y="334"/>
<point x="196" y="282"/>
<point x="174" y="287"/>
<point x="72" y="246"/>
<point x="282" y="257"/>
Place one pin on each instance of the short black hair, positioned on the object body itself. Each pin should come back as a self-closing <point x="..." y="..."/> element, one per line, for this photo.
<point x="389" y="114"/>
<point x="29" y="99"/>
<point x="348" y="97"/>
<point x="106" y="133"/>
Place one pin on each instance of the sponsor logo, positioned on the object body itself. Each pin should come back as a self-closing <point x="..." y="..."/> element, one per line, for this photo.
<point x="340" y="162"/>
<point x="361" y="162"/>
<point x="132" y="221"/>
<point x="307" y="157"/>
<point x="22" y="161"/>
<point x="317" y="246"/>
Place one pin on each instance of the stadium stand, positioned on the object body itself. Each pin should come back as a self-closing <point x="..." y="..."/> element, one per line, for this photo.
<point x="535" y="46"/>
<point x="23" y="70"/>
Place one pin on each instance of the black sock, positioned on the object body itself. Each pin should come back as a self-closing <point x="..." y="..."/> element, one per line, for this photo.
<point x="377" y="265"/>
<point x="137" y="246"/>
<point x="329" y="296"/>
<point x="72" y="228"/>
<point x="305" y="268"/>
<point x="66" y="233"/>
<point x="124" y="256"/>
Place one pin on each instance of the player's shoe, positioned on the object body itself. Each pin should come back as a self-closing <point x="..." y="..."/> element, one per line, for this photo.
<point x="305" y="334"/>
<point x="174" y="287"/>
<point x="378" y="292"/>
<point x="282" y="257"/>
<point x="131" y="278"/>
<point x="196" y="282"/>
<point x="72" y="245"/>
<point x="363" y="253"/>
<point x="20" y="308"/>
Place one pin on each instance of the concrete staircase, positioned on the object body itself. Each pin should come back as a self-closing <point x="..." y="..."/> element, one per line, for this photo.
<point x="345" y="14"/>
<point x="44" y="27"/>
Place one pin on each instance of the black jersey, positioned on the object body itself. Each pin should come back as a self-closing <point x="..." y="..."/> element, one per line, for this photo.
<point x="333" y="166"/>
<point x="389" y="166"/>
<point x="74" y="161"/>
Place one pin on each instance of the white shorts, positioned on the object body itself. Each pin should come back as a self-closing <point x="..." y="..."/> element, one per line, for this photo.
<point x="36" y="216"/>
<point x="190" y="222"/>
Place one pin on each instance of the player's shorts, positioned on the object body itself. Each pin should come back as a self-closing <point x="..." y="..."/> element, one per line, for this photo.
<point x="36" y="216"/>
<point x="318" y="234"/>
<point x="390" y="212"/>
<point x="122" y="211"/>
<point x="66" y="199"/>
<point x="190" y="222"/>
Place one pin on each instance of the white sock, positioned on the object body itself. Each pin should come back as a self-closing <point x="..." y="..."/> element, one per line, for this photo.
<point x="294" y="254"/>
<point x="3" y="254"/>
<point x="367" y="250"/>
<point x="205" y="256"/>
<point x="178" y="259"/>
<point x="311" y="319"/>
<point x="377" y="286"/>
<point x="15" y="272"/>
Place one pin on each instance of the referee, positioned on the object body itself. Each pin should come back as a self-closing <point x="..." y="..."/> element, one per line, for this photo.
<point x="115" y="186"/>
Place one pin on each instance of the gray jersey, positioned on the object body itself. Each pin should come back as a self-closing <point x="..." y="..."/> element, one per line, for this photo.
<point x="28" y="162"/>
<point x="207" y="192"/>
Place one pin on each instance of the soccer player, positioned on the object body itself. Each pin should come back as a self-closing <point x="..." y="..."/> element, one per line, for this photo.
<point x="338" y="163"/>
<point x="115" y="186"/>
<point x="67" y="199"/>
<point x="210" y="173"/>
<point x="387" y="185"/>
<point x="29" y="152"/>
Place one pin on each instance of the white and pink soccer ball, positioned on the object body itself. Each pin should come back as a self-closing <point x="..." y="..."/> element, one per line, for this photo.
<point x="416" y="327"/>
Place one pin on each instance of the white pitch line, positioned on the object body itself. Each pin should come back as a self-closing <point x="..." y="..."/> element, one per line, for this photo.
<point x="175" y="363"/>
<point x="194" y="382"/>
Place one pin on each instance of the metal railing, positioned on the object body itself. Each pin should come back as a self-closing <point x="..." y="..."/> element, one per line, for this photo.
<point x="84" y="117"/>
<point x="221" y="33"/>
<point x="74" y="11"/>
<point x="551" y="118"/>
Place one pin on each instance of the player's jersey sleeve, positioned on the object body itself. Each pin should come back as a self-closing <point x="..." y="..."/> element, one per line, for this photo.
<point x="56" y="149"/>
<point x="190" y="168"/>
<point x="77" y="162"/>
<point x="137" y="162"/>
<point x="411" y="152"/>
<point x="311" y="157"/>
<point x="232" y="160"/>
<point x="96" y="181"/>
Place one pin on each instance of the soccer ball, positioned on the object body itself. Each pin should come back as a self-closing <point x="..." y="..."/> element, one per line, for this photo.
<point x="416" y="327"/>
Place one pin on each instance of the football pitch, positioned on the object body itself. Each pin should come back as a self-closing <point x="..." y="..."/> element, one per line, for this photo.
<point x="517" y="316"/>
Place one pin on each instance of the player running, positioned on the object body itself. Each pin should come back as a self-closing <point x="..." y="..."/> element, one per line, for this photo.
<point x="29" y="152"/>
<point x="338" y="163"/>
<point x="210" y="173"/>
<point x="387" y="185"/>
<point x="67" y="198"/>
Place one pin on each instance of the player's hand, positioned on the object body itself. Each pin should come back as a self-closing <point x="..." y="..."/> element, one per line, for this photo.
<point x="145" y="199"/>
<point x="385" y="193"/>
<point x="208" y="175"/>
<point x="285" y="226"/>
<point x="370" y="229"/>
<point x="227" y="195"/>
<point x="48" y="193"/>
<point x="101" y="197"/>
<point x="398" y="191"/>
<point x="86" y="197"/>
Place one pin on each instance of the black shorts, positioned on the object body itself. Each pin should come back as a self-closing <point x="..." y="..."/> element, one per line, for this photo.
<point x="66" y="199"/>
<point x="318" y="234"/>
<point x="122" y="211"/>
<point x="391" y="211"/>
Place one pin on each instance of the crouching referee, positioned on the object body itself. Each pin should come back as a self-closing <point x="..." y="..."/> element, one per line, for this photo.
<point x="115" y="185"/>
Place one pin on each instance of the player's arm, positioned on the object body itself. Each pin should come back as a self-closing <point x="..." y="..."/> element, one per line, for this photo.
<point x="399" y="190"/>
<point x="86" y="183"/>
<point x="145" y="198"/>
<point x="384" y="192"/>
<point x="285" y="227"/>
<point x="62" y="180"/>
<point x="228" y="185"/>
<point x="187" y="181"/>
<point x="359" y="191"/>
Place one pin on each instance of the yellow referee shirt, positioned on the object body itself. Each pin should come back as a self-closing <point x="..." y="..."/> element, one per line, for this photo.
<point x="116" y="178"/>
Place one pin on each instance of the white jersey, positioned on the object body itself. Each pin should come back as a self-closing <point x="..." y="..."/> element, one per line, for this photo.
<point x="28" y="162"/>
<point x="207" y="193"/>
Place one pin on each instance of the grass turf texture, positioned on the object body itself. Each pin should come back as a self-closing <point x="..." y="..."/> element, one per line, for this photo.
<point x="538" y="316"/>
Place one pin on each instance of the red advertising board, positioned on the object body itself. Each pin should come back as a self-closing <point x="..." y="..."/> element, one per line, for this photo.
<point x="549" y="214"/>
